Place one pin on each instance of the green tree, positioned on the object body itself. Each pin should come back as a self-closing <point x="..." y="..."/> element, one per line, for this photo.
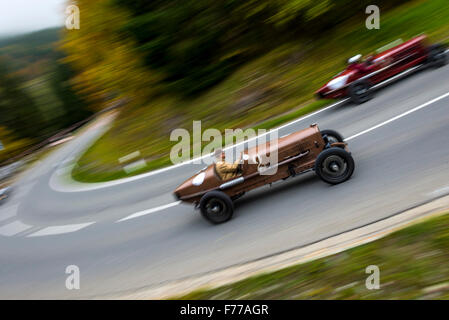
<point x="139" y="48"/>
<point x="195" y="43"/>
<point x="17" y="109"/>
<point x="73" y="105"/>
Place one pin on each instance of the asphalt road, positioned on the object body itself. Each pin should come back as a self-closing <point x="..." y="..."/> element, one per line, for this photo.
<point x="402" y="159"/>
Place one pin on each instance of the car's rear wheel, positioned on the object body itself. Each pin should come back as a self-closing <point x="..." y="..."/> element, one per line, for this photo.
<point x="334" y="165"/>
<point x="437" y="55"/>
<point x="360" y="92"/>
<point x="331" y="136"/>
<point x="216" y="207"/>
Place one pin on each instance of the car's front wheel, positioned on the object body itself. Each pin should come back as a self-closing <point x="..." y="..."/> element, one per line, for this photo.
<point x="437" y="55"/>
<point x="360" y="92"/>
<point x="334" y="165"/>
<point x="216" y="207"/>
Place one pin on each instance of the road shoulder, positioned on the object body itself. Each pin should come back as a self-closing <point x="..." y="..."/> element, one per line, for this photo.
<point x="322" y="248"/>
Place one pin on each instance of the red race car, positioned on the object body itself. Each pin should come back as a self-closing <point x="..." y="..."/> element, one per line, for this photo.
<point x="391" y="62"/>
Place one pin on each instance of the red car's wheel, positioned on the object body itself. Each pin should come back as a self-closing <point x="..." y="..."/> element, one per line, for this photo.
<point x="360" y="92"/>
<point x="437" y="55"/>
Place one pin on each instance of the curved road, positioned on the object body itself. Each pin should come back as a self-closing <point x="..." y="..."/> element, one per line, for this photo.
<point x="129" y="235"/>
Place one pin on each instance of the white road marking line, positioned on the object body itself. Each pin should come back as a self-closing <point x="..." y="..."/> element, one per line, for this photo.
<point x="60" y="141"/>
<point x="439" y="192"/>
<point x="8" y="212"/>
<point x="54" y="230"/>
<point x="422" y="106"/>
<point x="148" y="211"/>
<point x="65" y="170"/>
<point x="13" y="228"/>
<point x="67" y="160"/>
<point x="312" y="114"/>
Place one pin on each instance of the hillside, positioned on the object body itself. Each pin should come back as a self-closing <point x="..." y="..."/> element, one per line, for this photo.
<point x="28" y="54"/>
<point x="36" y="96"/>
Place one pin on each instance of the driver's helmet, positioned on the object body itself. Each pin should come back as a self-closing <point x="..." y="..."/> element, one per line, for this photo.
<point x="354" y="59"/>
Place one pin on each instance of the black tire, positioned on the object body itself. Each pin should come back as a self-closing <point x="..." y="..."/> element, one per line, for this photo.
<point x="334" y="165"/>
<point x="331" y="136"/>
<point x="437" y="55"/>
<point x="360" y="92"/>
<point x="216" y="207"/>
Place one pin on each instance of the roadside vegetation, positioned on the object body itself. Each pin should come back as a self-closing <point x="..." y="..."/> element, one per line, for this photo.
<point x="37" y="98"/>
<point x="271" y="83"/>
<point x="413" y="264"/>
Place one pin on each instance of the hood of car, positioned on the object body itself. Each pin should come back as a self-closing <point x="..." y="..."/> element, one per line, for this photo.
<point x="203" y="180"/>
<point x="348" y="72"/>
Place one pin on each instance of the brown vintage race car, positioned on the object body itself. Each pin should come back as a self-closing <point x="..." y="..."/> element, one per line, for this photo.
<point x="325" y="152"/>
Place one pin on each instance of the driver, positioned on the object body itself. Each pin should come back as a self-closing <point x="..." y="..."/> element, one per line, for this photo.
<point x="226" y="170"/>
<point x="355" y="64"/>
<point x="360" y="67"/>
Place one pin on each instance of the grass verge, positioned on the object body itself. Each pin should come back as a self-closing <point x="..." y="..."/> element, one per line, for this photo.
<point x="413" y="263"/>
<point x="279" y="83"/>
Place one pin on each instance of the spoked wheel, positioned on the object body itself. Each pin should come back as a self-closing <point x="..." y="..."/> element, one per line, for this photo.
<point x="331" y="136"/>
<point x="216" y="207"/>
<point x="360" y="92"/>
<point x="334" y="165"/>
